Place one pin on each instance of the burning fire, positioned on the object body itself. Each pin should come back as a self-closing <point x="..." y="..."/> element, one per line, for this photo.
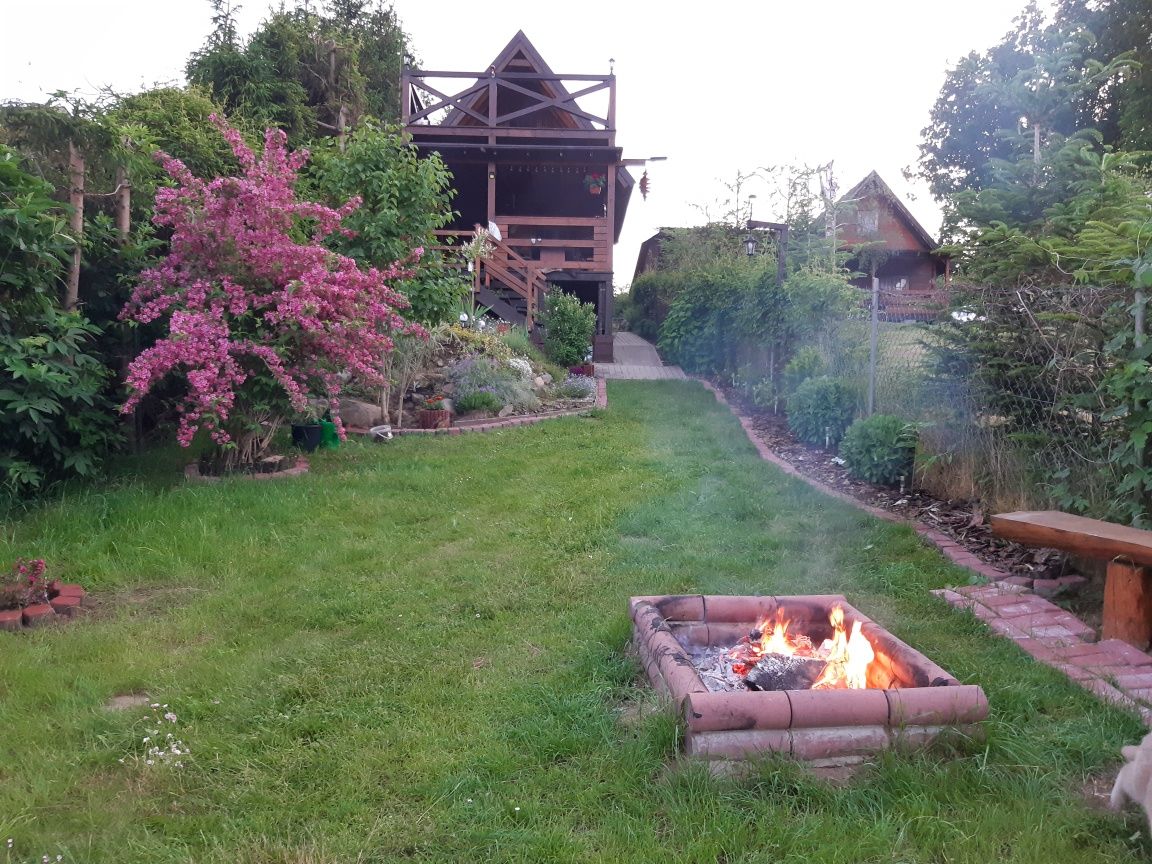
<point x="846" y="656"/>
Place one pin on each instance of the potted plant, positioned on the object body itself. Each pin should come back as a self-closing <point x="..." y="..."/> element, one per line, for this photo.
<point x="307" y="433"/>
<point x="594" y="183"/>
<point x="433" y="414"/>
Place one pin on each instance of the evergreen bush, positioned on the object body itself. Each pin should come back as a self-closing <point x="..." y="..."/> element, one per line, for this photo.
<point x="880" y="449"/>
<point x="569" y="327"/>
<point x="820" y="410"/>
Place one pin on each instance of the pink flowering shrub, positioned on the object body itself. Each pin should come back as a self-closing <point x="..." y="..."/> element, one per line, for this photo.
<point x="261" y="316"/>
<point x="24" y="584"/>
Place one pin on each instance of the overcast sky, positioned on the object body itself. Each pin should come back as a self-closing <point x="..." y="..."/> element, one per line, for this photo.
<point x="717" y="87"/>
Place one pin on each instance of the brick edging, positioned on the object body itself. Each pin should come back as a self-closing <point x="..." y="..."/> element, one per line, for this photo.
<point x="1112" y="670"/>
<point x="601" y="401"/>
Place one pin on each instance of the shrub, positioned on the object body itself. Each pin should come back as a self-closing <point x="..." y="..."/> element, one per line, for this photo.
<point x="646" y="304"/>
<point x="569" y="327"/>
<point x="54" y="419"/>
<point x="576" y="387"/>
<point x="502" y="382"/>
<point x="479" y="400"/>
<point x="519" y="342"/>
<point x="805" y="363"/>
<point x="880" y="449"/>
<point x="820" y="410"/>
<point x="258" y="318"/>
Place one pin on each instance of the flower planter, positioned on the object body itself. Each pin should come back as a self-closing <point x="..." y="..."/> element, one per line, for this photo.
<point x="430" y="418"/>
<point x="307" y="436"/>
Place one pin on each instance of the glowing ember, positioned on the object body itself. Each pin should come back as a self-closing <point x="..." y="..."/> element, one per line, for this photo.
<point x="846" y="656"/>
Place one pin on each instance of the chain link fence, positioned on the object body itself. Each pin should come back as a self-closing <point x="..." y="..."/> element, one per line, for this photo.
<point x="1007" y="392"/>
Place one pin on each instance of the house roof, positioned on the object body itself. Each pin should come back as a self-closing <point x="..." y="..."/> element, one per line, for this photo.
<point x="520" y="55"/>
<point x="874" y="184"/>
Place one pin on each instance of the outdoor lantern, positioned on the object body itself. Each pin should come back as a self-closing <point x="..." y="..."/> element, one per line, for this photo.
<point x="750" y="245"/>
<point x="464" y="319"/>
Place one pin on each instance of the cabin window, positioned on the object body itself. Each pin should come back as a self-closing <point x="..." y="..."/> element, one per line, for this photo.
<point x="868" y="221"/>
<point x="894" y="283"/>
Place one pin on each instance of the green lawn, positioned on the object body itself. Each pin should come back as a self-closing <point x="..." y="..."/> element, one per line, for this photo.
<point x="417" y="653"/>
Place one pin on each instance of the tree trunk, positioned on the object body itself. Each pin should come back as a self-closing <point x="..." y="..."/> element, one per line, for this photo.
<point x="76" y="223"/>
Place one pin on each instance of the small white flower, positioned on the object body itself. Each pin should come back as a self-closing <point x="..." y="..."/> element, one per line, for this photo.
<point x="149" y="762"/>
<point x="517" y="809"/>
<point x="146" y="740"/>
<point x="155" y="704"/>
<point x="170" y="717"/>
<point x="10" y="841"/>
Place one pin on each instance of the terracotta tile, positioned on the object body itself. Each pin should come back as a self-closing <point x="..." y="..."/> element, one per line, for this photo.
<point x="825" y="743"/>
<point x="935" y="706"/>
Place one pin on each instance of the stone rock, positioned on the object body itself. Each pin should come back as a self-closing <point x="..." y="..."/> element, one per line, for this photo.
<point x="505" y="411"/>
<point x="447" y="405"/>
<point x="547" y="378"/>
<point x="362" y="415"/>
<point x="448" y="389"/>
<point x="539" y="383"/>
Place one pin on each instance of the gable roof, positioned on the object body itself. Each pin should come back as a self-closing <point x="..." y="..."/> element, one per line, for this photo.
<point x="874" y="184"/>
<point x="520" y="55"/>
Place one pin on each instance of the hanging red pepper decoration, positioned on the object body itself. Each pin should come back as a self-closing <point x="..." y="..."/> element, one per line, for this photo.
<point x="644" y="186"/>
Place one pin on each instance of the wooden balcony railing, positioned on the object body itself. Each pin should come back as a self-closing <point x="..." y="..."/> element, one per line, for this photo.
<point x="421" y="102"/>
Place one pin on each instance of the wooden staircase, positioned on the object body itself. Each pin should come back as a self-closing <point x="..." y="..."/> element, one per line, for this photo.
<point x="511" y="286"/>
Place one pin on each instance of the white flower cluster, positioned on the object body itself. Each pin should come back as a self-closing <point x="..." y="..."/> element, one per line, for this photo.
<point x="166" y="750"/>
<point x="47" y="859"/>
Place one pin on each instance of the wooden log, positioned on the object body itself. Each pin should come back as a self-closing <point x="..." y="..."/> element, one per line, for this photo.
<point x="1128" y="604"/>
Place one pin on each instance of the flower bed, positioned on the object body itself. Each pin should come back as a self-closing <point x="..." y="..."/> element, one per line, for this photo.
<point x="27" y="599"/>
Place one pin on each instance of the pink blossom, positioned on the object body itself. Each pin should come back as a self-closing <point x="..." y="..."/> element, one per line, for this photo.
<point x="251" y="310"/>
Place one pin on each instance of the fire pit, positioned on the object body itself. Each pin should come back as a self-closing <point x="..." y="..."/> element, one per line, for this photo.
<point x="808" y="676"/>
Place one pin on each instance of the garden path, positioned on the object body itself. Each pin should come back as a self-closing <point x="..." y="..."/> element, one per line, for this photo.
<point x="636" y="359"/>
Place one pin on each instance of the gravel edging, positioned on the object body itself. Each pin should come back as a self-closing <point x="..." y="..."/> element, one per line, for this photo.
<point x="1113" y="670"/>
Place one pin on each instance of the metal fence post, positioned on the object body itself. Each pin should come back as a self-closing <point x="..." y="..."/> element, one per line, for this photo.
<point x="873" y="349"/>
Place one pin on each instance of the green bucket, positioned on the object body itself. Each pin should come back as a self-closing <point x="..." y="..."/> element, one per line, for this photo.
<point x="329" y="440"/>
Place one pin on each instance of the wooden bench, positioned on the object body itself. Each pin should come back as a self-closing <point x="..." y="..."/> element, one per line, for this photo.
<point x="1128" y="551"/>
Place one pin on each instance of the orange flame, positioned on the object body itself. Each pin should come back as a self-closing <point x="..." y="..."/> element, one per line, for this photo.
<point x="846" y="656"/>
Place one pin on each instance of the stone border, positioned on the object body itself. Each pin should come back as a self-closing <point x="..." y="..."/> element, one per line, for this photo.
<point x="1113" y="670"/>
<point x="64" y="601"/>
<point x="601" y="401"/>
<point x="192" y="472"/>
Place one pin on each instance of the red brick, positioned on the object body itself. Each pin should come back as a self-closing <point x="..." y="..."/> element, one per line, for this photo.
<point x="1076" y="673"/>
<point x="829" y="742"/>
<point x="1072" y="582"/>
<point x="1133" y="655"/>
<point x="1005" y="627"/>
<point x="73" y="590"/>
<point x="11" y="619"/>
<point x="936" y="706"/>
<point x="737" y="745"/>
<point x="681" y="607"/>
<point x="1134" y="680"/>
<point x="1046" y="587"/>
<point x="714" y="712"/>
<point x="1022" y="581"/>
<point x="37" y="614"/>
<point x="738" y="610"/>
<point x="838" y="708"/>
<point x="1144" y="694"/>
<point x="65" y="604"/>
<point x="1107" y="692"/>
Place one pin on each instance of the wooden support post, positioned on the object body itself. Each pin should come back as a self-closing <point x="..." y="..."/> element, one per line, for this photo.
<point x="1128" y="604"/>
<point x="123" y="206"/>
<point x="75" y="223"/>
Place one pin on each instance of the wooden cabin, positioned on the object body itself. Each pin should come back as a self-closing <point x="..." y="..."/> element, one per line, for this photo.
<point x="529" y="159"/>
<point x="914" y="277"/>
